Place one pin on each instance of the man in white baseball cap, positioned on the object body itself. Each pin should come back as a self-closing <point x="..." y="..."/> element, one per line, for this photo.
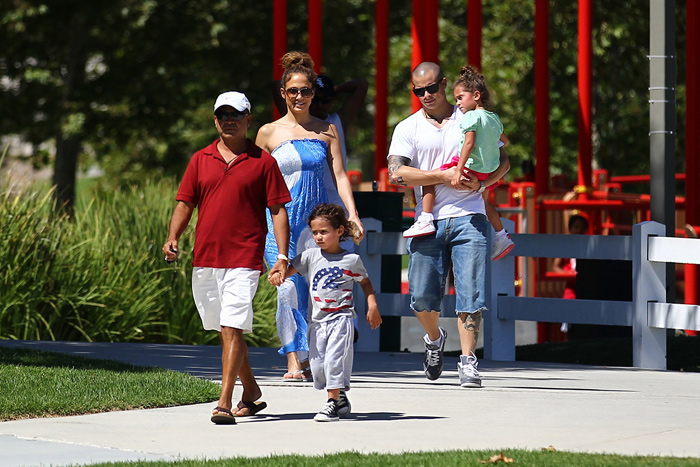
<point x="234" y="99"/>
<point x="232" y="182"/>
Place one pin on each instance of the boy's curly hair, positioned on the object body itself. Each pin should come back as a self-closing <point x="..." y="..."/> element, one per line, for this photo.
<point x="336" y="216"/>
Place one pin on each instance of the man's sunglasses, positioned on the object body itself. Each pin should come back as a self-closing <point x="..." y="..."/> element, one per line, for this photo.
<point x="432" y="89"/>
<point x="305" y="92"/>
<point x="235" y="116"/>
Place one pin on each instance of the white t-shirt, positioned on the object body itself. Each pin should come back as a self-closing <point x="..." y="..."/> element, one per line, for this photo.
<point x="333" y="196"/>
<point x="428" y="147"/>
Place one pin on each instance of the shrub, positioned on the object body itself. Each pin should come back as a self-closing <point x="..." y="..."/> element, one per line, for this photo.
<point x="100" y="275"/>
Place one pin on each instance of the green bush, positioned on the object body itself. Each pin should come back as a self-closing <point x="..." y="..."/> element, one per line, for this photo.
<point x="100" y="275"/>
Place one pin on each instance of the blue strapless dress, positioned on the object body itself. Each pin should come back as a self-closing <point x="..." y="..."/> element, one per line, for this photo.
<point x="302" y="163"/>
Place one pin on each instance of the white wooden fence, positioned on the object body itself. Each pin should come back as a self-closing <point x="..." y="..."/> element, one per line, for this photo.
<point x="648" y="314"/>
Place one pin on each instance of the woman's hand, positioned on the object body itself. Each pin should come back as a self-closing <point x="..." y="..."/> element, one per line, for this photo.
<point x="360" y="229"/>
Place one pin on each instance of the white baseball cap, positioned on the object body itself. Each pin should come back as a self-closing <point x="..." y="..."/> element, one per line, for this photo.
<point x="237" y="100"/>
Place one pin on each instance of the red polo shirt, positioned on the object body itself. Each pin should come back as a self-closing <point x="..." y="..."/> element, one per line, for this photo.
<point x="231" y="200"/>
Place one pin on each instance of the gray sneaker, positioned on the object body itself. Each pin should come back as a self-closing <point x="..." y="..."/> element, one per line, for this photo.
<point x="434" y="359"/>
<point x="469" y="376"/>
<point x="343" y="406"/>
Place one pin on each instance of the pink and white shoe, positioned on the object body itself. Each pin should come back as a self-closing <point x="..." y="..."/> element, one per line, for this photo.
<point x="419" y="229"/>
<point x="502" y="244"/>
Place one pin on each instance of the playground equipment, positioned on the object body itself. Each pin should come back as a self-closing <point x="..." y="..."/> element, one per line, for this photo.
<point x="610" y="211"/>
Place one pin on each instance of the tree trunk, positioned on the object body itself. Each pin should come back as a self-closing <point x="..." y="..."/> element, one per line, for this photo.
<point x="68" y="145"/>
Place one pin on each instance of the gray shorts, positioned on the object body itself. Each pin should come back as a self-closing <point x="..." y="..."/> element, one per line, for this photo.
<point x="330" y="352"/>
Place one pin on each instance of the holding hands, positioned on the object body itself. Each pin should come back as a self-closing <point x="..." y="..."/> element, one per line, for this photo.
<point x="279" y="272"/>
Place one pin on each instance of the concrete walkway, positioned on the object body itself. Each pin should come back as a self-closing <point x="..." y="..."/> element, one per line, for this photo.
<point x="394" y="409"/>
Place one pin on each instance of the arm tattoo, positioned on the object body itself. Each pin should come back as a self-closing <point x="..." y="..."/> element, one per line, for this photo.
<point x="394" y="164"/>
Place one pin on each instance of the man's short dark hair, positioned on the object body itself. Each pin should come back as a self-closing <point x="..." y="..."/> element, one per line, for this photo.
<point x="424" y="67"/>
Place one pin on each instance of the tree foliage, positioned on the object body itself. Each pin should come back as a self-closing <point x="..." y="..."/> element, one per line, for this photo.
<point x="129" y="84"/>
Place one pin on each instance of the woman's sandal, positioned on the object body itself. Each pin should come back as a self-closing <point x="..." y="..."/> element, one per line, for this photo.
<point x="295" y="376"/>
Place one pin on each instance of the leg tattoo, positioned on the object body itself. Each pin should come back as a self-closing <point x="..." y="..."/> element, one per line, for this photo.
<point x="472" y="322"/>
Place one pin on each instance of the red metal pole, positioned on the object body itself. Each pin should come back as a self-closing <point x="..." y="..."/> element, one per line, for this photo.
<point x="279" y="43"/>
<point x="431" y="31"/>
<point x="417" y="27"/>
<point x="692" y="142"/>
<point x="541" y="97"/>
<point x="585" y="59"/>
<point x="474" y="26"/>
<point x="381" y="85"/>
<point x="316" y="33"/>
<point x="424" y="34"/>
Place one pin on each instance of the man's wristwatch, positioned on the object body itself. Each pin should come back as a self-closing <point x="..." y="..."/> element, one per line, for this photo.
<point x="481" y="188"/>
<point x="284" y="257"/>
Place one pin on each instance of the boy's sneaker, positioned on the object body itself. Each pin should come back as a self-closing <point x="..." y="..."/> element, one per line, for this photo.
<point x="419" y="228"/>
<point x="343" y="406"/>
<point x="469" y="376"/>
<point x="329" y="412"/>
<point x="434" y="359"/>
<point x="502" y="244"/>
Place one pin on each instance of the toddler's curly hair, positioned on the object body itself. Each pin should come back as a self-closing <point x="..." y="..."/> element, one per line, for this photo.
<point x="472" y="80"/>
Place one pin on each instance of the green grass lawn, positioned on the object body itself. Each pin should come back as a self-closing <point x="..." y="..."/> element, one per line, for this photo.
<point x="445" y="458"/>
<point x="44" y="384"/>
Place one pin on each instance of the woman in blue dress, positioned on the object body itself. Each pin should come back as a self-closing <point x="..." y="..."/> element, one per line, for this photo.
<point x="302" y="145"/>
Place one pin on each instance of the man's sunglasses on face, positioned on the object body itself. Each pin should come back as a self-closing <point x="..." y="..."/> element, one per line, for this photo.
<point x="432" y="89"/>
<point x="305" y="92"/>
<point x="234" y="116"/>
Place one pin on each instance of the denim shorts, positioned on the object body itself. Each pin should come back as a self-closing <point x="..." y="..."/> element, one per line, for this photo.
<point x="460" y="243"/>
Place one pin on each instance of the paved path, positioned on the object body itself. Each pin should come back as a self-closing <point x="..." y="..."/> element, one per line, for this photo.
<point x="395" y="409"/>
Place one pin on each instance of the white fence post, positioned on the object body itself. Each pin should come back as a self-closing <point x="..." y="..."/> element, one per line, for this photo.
<point x="499" y="334"/>
<point x="369" y="339"/>
<point x="649" y="285"/>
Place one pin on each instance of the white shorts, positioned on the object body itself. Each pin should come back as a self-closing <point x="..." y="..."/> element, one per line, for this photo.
<point x="224" y="297"/>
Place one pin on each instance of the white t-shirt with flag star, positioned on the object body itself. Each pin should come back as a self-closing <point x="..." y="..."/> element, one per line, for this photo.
<point x="331" y="278"/>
